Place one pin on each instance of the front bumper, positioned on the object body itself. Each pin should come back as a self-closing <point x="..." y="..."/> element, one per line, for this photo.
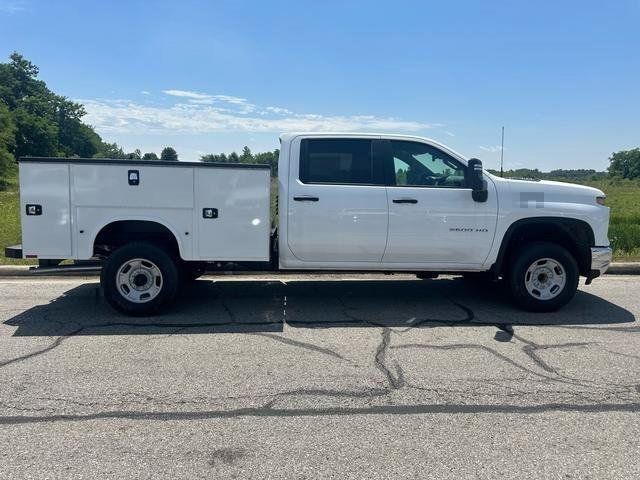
<point x="601" y="259"/>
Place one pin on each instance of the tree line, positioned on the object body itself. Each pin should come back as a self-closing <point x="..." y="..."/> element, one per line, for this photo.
<point x="34" y="121"/>
<point x="572" y="175"/>
<point x="264" y="158"/>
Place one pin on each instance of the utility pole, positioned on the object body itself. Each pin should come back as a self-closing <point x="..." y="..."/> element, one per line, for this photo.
<point x="502" y="154"/>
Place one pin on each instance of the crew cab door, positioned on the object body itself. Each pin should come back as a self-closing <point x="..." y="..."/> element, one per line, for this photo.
<point x="432" y="217"/>
<point x="337" y="201"/>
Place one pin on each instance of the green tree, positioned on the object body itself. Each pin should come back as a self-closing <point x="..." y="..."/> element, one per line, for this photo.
<point x="263" y="158"/>
<point x="215" y="158"/>
<point x="150" y="156"/>
<point x="246" y="156"/>
<point x="35" y="135"/>
<point x="169" y="154"/>
<point x="76" y="138"/>
<point x="110" y="150"/>
<point x="625" y="163"/>
<point x="268" y="158"/>
<point x="135" y="155"/>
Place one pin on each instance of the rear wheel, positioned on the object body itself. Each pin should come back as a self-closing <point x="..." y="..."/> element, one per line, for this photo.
<point x="139" y="279"/>
<point x="543" y="277"/>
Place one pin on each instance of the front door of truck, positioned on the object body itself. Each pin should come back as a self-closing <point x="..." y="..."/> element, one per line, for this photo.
<point x="432" y="217"/>
<point x="337" y="205"/>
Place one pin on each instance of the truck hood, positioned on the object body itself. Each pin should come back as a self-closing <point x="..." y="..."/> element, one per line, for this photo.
<point x="571" y="187"/>
<point x="554" y="191"/>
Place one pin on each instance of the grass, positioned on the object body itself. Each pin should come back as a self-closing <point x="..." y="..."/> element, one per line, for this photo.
<point x="10" y="224"/>
<point x="623" y="196"/>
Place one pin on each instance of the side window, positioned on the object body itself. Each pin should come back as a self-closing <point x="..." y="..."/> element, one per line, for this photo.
<point x="337" y="160"/>
<point x="421" y="165"/>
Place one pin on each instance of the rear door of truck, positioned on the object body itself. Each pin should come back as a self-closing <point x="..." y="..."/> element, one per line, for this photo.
<point x="337" y="201"/>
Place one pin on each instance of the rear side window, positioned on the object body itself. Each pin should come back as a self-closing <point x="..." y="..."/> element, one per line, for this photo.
<point x="337" y="160"/>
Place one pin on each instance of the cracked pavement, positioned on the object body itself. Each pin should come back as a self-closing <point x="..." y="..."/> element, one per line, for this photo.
<point x="332" y="376"/>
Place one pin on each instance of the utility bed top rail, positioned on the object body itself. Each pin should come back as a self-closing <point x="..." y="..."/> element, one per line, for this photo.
<point x="155" y="163"/>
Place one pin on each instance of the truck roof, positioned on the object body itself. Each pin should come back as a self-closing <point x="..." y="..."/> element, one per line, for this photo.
<point x="287" y="137"/>
<point x="290" y="135"/>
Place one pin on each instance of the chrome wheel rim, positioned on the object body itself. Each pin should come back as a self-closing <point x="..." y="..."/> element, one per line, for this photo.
<point x="139" y="280"/>
<point x="545" y="279"/>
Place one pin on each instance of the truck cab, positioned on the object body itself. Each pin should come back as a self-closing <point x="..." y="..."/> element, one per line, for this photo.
<point x="346" y="202"/>
<point x="380" y="203"/>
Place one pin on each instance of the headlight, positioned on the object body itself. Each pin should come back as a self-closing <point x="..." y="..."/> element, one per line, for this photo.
<point x="600" y="200"/>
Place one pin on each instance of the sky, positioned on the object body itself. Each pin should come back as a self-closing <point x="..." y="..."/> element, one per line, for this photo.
<point x="563" y="77"/>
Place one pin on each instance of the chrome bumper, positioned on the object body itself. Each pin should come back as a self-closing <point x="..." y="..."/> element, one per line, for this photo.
<point x="601" y="259"/>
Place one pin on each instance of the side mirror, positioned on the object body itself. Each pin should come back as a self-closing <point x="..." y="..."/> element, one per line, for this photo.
<point x="476" y="181"/>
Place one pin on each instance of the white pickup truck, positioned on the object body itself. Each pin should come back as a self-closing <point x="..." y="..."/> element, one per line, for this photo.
<point x="354" y="202"/>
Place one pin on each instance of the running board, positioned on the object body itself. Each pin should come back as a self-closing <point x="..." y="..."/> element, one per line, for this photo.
<point x="70" y="269"/>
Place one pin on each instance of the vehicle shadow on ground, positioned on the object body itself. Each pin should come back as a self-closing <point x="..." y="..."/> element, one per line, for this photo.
<point x="249" y="306"/>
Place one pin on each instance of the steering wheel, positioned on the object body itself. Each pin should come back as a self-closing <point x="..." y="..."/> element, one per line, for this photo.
<point x="442" y="179"/>
<point x="426" y="179"/>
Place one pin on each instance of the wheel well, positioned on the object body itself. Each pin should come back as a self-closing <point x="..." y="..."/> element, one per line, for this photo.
<point x="574" y="235"/>
<point x="116" y="234"/>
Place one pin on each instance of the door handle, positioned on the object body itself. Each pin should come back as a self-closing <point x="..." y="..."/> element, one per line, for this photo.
<point x="405" y="200"/>
<point x="306" y="199"/>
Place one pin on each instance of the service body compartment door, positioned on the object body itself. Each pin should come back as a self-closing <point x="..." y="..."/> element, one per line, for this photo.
<point x="45" y="210"/>
<point x="132" y="186"/>
<point x="232" y="213"/>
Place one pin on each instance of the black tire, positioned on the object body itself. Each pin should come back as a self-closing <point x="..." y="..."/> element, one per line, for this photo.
<point x="518" y="276"/>
<point x="157" y="259"/>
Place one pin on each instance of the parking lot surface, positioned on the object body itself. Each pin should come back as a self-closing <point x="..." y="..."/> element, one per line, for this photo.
<point x="333" y="376"/>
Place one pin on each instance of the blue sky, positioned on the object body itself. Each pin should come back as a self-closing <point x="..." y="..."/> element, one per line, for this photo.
<point x="212" y="76"/>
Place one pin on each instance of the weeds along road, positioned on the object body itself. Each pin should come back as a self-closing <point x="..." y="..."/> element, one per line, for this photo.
<point x="318" y="377"/>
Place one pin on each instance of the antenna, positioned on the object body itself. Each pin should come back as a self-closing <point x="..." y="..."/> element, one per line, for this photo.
<point x="502" y="153"/>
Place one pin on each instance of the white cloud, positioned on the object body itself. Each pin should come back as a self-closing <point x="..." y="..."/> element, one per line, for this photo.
<point x="187" y="94"/>
<point x="279" y="110"/>
<point x="230" y="99"/>
<point x="491" y="149"/>
<point x="199" y="113"/>
<point x="145" y="92"/>
<point x="13" y="6"/>
<point x="242" y="105"/>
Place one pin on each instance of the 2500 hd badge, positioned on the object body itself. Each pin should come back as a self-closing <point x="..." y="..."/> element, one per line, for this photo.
<point x="458" y="229"/>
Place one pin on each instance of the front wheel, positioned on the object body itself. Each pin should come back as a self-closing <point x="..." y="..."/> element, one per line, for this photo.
<point x="543" y="277"/>
<point x="139" y="279"/>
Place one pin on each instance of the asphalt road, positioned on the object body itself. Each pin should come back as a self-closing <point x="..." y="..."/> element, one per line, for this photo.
<point x="319" y="377"/>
